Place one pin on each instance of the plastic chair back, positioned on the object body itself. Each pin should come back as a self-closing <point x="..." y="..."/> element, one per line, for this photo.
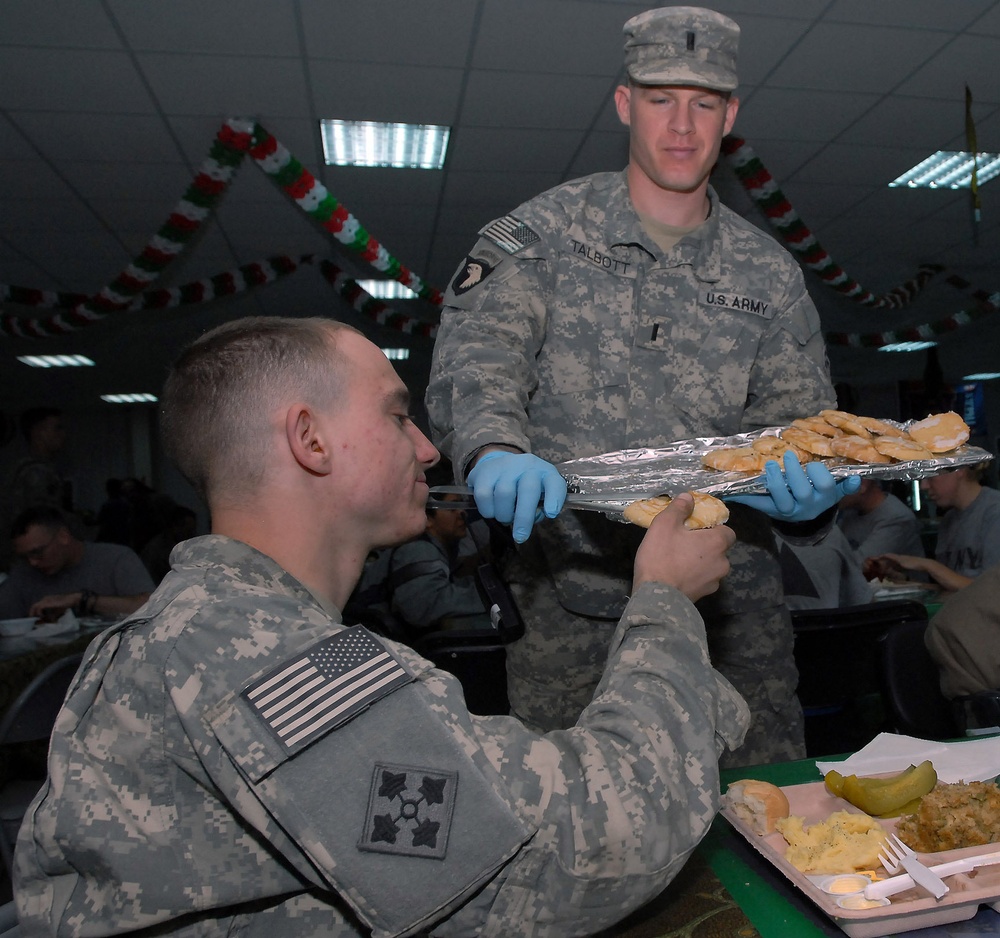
<point x="911" y="685"/>
<point x="478" y="659"/>
<point x="838" y="654"/>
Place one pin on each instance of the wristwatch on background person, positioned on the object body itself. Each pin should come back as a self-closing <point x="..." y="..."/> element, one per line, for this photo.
<point x="87" y="603"/>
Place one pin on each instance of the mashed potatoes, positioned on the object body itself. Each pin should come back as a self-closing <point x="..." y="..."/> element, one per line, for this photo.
<point x="844" y="842"/>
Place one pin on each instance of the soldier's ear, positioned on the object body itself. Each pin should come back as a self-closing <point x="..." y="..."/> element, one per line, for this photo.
<point x="307" y="438"/>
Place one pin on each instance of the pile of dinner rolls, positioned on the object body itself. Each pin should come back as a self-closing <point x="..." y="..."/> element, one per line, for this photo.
<point x="842" y="437"/>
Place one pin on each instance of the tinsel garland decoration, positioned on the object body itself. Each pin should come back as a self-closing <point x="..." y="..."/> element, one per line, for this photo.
<point x="317" y="202"/>
<point x="187" y="217"/>
<point x="229" y="283"/>
<point x="986" y="304"/>
<point x="783" y="218"/>
<point x="374" y="309"/>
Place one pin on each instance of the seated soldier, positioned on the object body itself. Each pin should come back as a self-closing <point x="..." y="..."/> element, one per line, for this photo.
<point x="238" y="760"/>
<point x="59" y="572"/>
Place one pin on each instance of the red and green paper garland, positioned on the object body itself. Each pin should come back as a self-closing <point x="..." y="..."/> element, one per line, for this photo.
<point x="374" y="309"/>
<point x="317" y="202"/>
<point x="783" y="218"/>
<point x="186" y="219"/>
<point x="130" y="290"/>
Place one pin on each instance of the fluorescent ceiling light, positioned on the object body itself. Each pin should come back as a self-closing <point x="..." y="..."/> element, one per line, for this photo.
<point x="370" y="143"/>
<point x="396" y="354"/>
<point x="950" y="169"/>
<point x="982" y="376"/>
<point x="906" y="346"/>
<point x="129" y="398"/>
<point x="55" y="361"/>
<point x="387" y="290"/>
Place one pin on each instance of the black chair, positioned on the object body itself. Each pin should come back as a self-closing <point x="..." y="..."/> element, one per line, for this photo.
<point x="478" y="658"/>
<point x="979" y="711"/>
<point x="30" y="719"/>
<point x="911" y="685"/>
<point x="9" y="927"/>
<point x="838" y="655"/>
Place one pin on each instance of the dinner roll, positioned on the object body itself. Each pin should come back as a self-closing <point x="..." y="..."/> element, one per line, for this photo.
<point x="707" y="513"/>
<point x="756" y="803"/>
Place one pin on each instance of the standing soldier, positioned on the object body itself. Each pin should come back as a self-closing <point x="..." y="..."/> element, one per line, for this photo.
<point x="627" y="310"/>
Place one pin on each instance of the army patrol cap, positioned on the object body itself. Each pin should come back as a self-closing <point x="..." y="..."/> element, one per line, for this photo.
<point x="682" y="46"/>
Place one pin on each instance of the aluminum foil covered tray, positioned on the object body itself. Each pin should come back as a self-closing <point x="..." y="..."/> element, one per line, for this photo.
<point x="625" y="475"/>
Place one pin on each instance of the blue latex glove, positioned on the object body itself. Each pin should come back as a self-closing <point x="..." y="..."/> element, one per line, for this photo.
<point x="517" y="489"/>
<point x="798" y="494"/>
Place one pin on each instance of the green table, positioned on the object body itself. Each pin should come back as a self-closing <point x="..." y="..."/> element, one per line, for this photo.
<point x="775" y="907"/>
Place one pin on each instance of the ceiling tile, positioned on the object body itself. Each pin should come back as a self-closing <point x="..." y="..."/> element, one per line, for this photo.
<point x="96" y="137"/>
<point x="794" y="114"/>
<point x="226" y="86"/>
<point x="514" y="150"/>
<point x="59" y="23"/>
<point x="842" y="57"/>
<point x="511" y="99"/>
<point x="914" y="14"/>
<point x="568" y="37"/>
<point x="971" y="59"/>
<point x="389" y="93"/>
<point x="430" y="33"/>
<point x="73" y="80"/>
<point x="236" y="27"/>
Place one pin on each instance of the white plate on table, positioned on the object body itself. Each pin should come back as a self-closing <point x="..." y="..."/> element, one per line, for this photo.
<point x="10" y="627"/>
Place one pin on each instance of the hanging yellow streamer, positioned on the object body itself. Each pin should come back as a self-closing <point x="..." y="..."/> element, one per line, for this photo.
<point x="970" y="142"/>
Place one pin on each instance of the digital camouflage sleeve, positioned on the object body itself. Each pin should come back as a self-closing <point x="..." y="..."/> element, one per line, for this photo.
<point x="234" y="759"/>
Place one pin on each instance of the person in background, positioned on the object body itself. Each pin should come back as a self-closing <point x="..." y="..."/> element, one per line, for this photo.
<point x="180" y="523"/>
<point x="430" y="586"/>
<point x="963" y="637"/>
<point x="58" y="571"/>
<point x="623" y="311"/>
<point x="36" y="480"/>
<point x="876" y="522"/>
<point x="114" y="515"/>
<point x="237" y="759"/>
<point x="968" y="536"/>
<point x="824" y="574"/>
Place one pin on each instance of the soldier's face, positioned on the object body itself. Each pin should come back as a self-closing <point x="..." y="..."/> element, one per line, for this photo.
<point x="383" y="455"/>
<point x="675" y="132"/>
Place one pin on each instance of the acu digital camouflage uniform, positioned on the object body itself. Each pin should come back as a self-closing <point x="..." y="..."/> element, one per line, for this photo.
<point x="172" y="807"/>
<point x="568" y="333"/>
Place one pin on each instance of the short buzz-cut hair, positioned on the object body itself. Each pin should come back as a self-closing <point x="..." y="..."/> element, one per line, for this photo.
<point x="45" y="516"/>
<point x="221" y="391"/>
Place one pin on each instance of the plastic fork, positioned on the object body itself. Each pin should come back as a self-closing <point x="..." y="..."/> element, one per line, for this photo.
<point x="897" y="854"/>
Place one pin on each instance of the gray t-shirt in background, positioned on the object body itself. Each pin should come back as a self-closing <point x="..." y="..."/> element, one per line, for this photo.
<point x="105" y="569"/>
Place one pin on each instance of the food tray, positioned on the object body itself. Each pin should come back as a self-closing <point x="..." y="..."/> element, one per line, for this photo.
<point x="910" y="909"/>
<point x="677" y="468"/>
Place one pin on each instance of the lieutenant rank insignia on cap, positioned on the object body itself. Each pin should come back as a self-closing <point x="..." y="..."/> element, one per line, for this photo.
<point x="409" y="811"/>
<point x="325" y="686"/>
<point x="510" y="233"/>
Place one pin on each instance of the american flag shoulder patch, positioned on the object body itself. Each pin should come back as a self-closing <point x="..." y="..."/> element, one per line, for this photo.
<point x="510" y="233"/>
<point x="324" y="686"/>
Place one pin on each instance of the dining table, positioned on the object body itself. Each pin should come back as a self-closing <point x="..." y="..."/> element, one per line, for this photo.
<point x="727" y="889"/>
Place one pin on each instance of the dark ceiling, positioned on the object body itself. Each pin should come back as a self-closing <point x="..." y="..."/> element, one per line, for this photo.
<point x="109" y="107"/>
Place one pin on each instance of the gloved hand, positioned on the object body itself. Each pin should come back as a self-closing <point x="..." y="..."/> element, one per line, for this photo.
<point x="509" y="487"/>
<point x="798" y="494"/>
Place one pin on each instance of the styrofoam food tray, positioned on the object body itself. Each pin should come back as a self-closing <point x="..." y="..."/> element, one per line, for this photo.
<point x="910" y="909"/>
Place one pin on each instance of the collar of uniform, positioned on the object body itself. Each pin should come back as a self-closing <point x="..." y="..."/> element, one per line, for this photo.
<point x="623" y="227"/>
<point x="247" y="564"/>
